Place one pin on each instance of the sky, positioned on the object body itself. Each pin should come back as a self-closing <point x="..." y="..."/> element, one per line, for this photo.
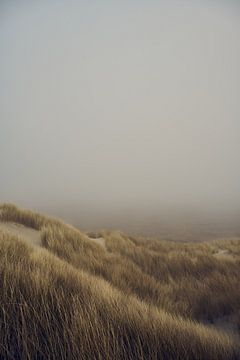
<point x="120" y="105"/>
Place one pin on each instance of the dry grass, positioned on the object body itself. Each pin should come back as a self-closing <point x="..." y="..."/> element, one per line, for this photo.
<point x="133" y="300"/>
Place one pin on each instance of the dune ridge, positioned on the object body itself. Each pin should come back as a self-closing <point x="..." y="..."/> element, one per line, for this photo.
<point x="73" y="298"/>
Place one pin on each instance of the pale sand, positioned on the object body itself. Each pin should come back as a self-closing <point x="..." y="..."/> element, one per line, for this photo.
<point x="31" y="236"/>
<point x="100" y="241"/>
<point x="224" y="255"/>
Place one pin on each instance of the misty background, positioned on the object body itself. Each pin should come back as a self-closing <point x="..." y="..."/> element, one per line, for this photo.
<point x="122" y="114"/>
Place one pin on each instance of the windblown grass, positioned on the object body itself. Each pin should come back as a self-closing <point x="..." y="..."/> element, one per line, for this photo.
<point x="132" y="300"/>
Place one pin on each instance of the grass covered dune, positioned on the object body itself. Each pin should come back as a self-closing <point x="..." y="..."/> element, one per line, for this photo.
<point x="72" y="298"/>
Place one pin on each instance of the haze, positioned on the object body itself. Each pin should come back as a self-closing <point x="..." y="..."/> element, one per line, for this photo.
<point x="120" y="107"/>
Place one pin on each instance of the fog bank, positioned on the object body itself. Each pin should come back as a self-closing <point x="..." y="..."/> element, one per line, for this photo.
<point x="110" y="109"/>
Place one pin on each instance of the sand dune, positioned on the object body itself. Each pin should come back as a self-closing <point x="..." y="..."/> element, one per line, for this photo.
<point x="31" y="236"/>
<point x="126" y="298"/>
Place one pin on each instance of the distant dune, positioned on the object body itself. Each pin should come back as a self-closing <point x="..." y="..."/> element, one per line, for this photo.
<point x="169" y="224"/>
<point x="66" y="294"/>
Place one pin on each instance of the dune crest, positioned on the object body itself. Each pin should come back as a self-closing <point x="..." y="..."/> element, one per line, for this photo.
<point x="31" y="236"/>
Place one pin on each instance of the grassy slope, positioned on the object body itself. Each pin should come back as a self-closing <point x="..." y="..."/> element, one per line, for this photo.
<point x="56" y="302"/>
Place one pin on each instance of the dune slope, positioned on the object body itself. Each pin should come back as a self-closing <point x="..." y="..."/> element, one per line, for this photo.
<point x="72" y="298"/>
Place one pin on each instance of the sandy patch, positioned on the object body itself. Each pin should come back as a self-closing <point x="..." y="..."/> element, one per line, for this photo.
<point x="31" y="236"/>
<point x="223" y="255"/>
<point x="99" y="241"/>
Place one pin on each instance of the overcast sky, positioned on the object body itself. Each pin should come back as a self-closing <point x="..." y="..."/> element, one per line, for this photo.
<point x="113" y="104"/>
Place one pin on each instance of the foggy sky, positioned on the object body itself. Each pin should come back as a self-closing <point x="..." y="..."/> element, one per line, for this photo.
<point x="120" y="104"/>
